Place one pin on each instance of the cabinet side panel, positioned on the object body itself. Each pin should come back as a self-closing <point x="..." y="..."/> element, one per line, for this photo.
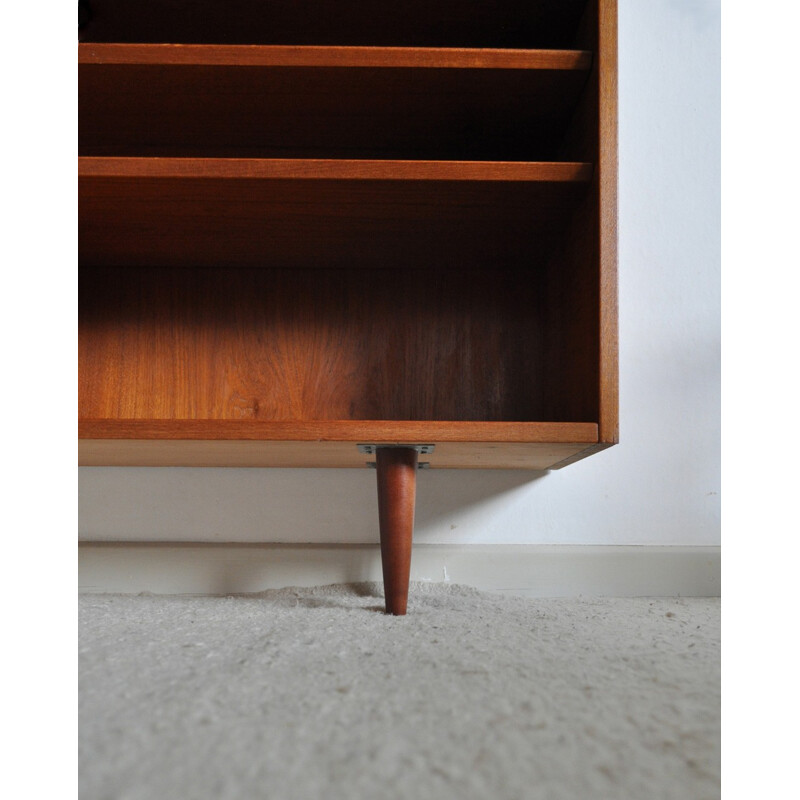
<point x="582" y="273"/>
<point x="607" y="173"/>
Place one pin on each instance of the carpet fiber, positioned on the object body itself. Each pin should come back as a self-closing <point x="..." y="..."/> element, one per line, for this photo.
<point x="315" y="693"/>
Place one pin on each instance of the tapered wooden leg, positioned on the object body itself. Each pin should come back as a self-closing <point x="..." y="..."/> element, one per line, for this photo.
<point x="397" y="491"/>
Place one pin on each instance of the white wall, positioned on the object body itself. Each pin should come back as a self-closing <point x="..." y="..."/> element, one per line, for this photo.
<point x="660" y="485"/>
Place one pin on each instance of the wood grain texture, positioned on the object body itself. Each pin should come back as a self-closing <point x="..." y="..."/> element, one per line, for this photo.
<point x="303" y="345"/>
<point x="232" y="452"/>
<point x="356" y="243"/>
<point x="607" y="176"/>
<point x="396" y="469"/>
<point x="335" y="169"/>
<point x="476" y="113"/>
<point x="581" y="454"/>
<point x="332" y="56"/>
<point x="346" y="431"/>
<point x="481" y="23"/>
<point x="585" y="340"/>
<point x="308" y="222"/>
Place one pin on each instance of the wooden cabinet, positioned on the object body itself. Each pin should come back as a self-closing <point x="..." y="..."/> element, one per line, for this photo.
<point x="310" y="226"/>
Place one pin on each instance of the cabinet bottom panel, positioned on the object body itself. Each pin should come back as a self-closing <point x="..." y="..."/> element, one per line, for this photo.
<point x="236" y="453"/>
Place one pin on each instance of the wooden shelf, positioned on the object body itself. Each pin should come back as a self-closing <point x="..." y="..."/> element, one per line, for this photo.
<point x="387" y="431"/>
<point x="327" y="102"/>
<point x="215" y="55"/>
<point x="334" y="169"/>
<point x="315" y="213"/>
<point x="481" y="23"/>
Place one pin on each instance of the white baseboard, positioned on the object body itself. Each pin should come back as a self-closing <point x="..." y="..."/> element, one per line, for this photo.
<point x="530" y="570"/>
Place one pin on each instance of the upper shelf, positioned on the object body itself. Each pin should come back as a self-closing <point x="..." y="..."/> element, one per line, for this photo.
<point x="331" y="56"/>
<point x="326" y="102"/>
<point x="446" y="23"/>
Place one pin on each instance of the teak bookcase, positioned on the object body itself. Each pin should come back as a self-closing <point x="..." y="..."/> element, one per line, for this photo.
<point x="333" y="233"/>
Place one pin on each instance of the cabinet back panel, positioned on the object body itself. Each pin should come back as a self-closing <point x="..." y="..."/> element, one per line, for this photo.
<point x="572" y="348"/>
<point x="278" y="344"/>
<point x="288" y="112"/>
<point x="309" y="223"/>
<point x="479" y="23"/>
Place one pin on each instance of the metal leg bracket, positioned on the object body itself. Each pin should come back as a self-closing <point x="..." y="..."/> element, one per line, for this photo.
<point x="422" y="449"/>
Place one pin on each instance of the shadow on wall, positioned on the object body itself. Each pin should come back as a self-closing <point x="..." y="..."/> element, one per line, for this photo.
<point x="277" y="505"/>
<point x="454" y="502"/>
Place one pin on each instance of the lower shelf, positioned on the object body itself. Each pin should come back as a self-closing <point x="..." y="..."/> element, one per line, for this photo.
<point x="230" y="443"/>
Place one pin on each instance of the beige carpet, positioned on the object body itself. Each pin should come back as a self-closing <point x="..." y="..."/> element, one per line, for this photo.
<point x="314" y="693"/>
